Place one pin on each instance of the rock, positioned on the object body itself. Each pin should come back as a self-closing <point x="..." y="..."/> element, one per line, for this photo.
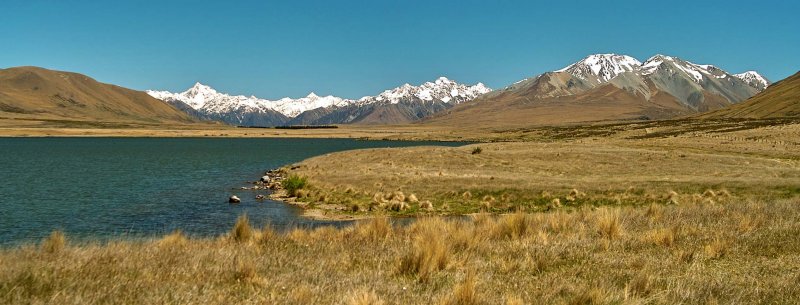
<point x="260" y="197"/>
<point x="265" y="179"/>
<point x="234" y="199"/>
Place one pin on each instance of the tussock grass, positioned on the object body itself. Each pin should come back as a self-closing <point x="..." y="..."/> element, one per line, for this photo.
<point x="465" y="292"/>
<point x="608" y="223"/>
<point x="365" y="298"/>
<point x="429" y="254"/>
<point x="242" y="232"/>
<point x="664" y="254"/>
<point x="54" y="243"/>
<point x="175" y="239"/>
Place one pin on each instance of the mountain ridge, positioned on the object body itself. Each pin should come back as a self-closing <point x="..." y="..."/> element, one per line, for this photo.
<point x="411" y="103"/>
<point x="608" y="87"/>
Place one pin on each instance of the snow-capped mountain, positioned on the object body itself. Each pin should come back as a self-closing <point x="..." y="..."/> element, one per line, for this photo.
<point x="611" y="87"/>
<point x="403" y="104"/>
<point x="443" y="89"/>
<point x="204" y="98"/>
<point x="205" y="102"/>
<point x="754" y="79"/>
<point x="601" y="68"/>
<point x="695" y="86"/>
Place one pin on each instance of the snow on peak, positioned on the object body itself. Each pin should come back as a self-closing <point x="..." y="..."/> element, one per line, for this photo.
<point x="442" y="89"/>
<point x="754" y="79"/>
<point x="602" y="67"/>
<point x="696" y="72"/>
<point x="205" y="99"/>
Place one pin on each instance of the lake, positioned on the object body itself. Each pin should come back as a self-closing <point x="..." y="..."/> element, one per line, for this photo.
<point x="103" y="188"/>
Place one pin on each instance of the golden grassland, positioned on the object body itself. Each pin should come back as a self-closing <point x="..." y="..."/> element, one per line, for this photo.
<point x="721" y="252"/>
<point x="629" y="166"/>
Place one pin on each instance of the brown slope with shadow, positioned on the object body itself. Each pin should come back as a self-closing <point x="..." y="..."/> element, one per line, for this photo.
<point x="32" y="93"/>
<point x="781" y="99"/>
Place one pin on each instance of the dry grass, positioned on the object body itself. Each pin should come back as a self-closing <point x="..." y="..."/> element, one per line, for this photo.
<point x="464" y="293"/>
<point x="242" y="232"/>
<point x="688" y="253"/>
<point x="55" y="243"/>
<point x="713" y="167"/>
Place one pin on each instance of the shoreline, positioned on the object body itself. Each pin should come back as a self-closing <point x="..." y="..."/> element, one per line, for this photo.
<point x="280" y="194"/>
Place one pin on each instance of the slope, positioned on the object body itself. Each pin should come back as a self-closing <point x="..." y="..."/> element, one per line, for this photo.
<point x="32" y="93"/>
<point x="781" y="99"/>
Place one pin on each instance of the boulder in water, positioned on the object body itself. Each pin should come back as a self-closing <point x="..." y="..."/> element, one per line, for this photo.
<point x="265" y="179"/>
<point x="234" y="199"/>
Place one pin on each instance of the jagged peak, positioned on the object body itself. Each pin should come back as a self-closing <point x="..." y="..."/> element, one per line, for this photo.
<point x="443" y="80"/>
<point x="755" y="79"/>
<point x="199" y="88"/>
<point x="602" y="67"/>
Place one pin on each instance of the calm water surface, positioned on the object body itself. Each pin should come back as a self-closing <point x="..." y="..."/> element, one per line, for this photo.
<point x="100" y="188"/>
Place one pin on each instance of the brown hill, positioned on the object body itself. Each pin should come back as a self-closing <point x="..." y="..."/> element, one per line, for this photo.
<point x="781" y="99"/>
<point x="32" y="93"/>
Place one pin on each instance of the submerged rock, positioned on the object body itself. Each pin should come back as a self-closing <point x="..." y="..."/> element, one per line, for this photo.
<point x="234" y="199"/>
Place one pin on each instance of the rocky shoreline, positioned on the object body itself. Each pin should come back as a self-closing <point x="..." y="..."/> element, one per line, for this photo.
<point x="272" y="181"/>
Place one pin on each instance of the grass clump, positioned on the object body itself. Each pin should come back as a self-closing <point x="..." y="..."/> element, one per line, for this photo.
<point x="294" y="183"/>
<point x="464" y="293"/>
<point x="176" y="239"/>
<point x="477" y="150"/>
<point x="54" y="243"/>
<point x="608" y="223"/>
<point x="365" y="298"/>
<point x="242" y="231"/>
<point x="428" y="255"/>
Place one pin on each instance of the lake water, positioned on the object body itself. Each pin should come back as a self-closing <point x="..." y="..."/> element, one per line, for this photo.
<point x="101" y="188"/>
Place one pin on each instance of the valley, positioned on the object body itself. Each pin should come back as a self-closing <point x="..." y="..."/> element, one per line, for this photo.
<point x="609" y="181"/>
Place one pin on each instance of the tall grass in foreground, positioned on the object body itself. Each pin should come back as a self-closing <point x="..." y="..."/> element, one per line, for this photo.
<point x="739" y="252"/>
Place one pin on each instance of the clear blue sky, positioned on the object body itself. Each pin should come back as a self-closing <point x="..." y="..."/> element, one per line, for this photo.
<point x="273" y="49"/>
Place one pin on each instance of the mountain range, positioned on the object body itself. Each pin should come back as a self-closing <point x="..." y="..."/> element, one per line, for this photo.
<point x="599" y="87"/>
<point x="403" y="104"/>
<point x="609" y="87"/>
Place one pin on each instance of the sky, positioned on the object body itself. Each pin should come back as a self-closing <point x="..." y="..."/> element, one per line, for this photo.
<point x="273" y="49"/>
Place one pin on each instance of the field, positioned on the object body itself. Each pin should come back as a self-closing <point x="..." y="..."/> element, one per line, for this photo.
<point x="724" y="252"/>
<point x="559" y="167"/>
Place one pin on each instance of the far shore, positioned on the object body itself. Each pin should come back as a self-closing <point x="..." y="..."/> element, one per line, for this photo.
<point x="404" y="132"/>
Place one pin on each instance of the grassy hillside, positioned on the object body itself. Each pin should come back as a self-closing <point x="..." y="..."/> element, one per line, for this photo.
<point x="781" y="99"/>
<point x="37" y="94"/>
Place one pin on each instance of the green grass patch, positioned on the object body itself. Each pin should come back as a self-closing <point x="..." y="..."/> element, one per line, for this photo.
<point x="294" y="183"/>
